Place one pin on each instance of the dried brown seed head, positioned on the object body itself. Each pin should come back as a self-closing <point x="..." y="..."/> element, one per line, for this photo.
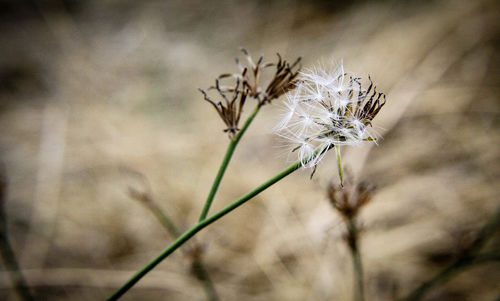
<point x="231" y="107"/>
<point x="247" y="83"/>
<point x="350" y="198"/>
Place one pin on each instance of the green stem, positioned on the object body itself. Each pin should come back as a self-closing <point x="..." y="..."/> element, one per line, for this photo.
<point x="203" y="276"/>
<point x="225" y="162"/>
<point x="198" y="268"/>
<point x="165" y="220"/>
<point x="200" y="225"/>
<point x="359" y="291"/>
<point x="339" y="165"/>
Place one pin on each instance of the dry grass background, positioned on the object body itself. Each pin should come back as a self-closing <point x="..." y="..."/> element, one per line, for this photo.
<point x="98" y="96"/>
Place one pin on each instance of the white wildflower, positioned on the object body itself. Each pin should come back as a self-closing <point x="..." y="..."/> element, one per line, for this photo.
<point x="328" y="108"/>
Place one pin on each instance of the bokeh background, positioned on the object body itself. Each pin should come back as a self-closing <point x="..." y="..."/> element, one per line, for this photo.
<point x="100" y="96"/>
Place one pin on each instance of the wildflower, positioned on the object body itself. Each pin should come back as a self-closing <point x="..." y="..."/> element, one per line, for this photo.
<point x="328" y="108"/>
<point x="248" y="84"/>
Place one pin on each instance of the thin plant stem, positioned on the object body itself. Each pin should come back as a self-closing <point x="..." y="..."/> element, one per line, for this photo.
<point x="201" y="225"/>
<point x="225" y="162"/>
<point x="18" y="282"/>
<point x="197" y="267"/>
<point x="164" y="219"/>
<point x="7" y="252"/>
<point x="458" y="266"/>
<point x="353" y="241"/>
<point x="339" y="165"/>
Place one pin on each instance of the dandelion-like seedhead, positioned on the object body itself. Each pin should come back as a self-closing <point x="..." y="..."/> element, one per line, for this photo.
<point x="328" y="108"/>
<point x="247" y="83"/>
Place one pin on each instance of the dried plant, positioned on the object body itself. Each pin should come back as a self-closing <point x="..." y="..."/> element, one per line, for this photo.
<point x="234" y="97"/>
<point x="338" y="111"/>
<point x="348" y="200"/>
<point x="229" y="111"/>
<point x="247" y="83"/>
<point x="283" y="80"/>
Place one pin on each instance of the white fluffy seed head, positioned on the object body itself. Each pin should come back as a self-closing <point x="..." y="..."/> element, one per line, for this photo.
<point x="327" y="108"/>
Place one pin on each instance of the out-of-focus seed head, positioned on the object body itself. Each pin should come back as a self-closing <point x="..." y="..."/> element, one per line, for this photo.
<point x="350" y="198"/>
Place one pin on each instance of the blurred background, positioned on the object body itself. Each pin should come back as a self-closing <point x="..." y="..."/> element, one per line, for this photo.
<point x="97" y="97"/>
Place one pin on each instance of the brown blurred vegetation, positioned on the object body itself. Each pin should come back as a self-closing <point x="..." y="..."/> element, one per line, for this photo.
<point x="98" y="96"/>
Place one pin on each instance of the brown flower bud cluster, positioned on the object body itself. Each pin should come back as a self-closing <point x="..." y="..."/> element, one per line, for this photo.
<point x="247" y="83"/>
<point x="369" y="103"/>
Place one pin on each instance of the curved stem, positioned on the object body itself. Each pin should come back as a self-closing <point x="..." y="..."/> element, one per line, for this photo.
<point x="200" y="225"/>
<point x="227" y="157"/>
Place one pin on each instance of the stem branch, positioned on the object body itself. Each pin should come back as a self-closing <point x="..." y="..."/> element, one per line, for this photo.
<point x="197" y="267"/>
<point x="200" y="225"/>
<point x="225" y="162"/>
